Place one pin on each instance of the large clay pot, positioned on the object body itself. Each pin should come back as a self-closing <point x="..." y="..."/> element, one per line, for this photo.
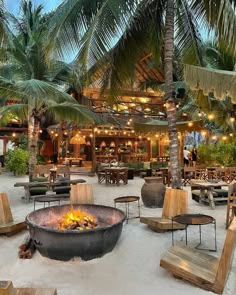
<point x="153" y="192"/>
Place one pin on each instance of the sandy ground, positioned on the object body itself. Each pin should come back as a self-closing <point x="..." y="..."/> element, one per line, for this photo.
<point x="131" y="268"/>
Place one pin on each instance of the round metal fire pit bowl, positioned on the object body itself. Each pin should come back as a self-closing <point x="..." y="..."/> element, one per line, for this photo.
<point x="67" y="244"/>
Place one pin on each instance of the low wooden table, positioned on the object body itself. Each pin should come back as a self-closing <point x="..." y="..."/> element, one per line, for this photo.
<point x="126" y="200"/>
<point x="194" y="219"/>
<point x="209" y="186"/>
<point x="48" y="184"/>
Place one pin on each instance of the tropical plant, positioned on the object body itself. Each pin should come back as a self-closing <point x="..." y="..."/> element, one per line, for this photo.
<point x="217" y="153"/>
<point x="16" y="161"/>
<point x="30" y="80"/>
<point x="138" y="26"/>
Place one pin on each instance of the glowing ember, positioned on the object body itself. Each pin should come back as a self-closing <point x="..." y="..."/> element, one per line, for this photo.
<point x="78" y="220"/>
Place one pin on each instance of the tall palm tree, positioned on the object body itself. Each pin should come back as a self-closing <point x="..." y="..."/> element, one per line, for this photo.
<point x="26" y="77"/>
<point x="95" y="27"/>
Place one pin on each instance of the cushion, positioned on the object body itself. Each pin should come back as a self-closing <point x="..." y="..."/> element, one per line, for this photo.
<point x="39" y="179"/>
<point x="62" y="189"/>
<point x="221" y="192"/>
<point x="38" y="190"/>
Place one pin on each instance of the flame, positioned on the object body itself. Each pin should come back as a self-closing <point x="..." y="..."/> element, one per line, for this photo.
<point x="78" y="220"/>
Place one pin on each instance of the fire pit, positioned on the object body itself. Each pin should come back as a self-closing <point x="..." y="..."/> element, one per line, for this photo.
<point x="64" y="244"/>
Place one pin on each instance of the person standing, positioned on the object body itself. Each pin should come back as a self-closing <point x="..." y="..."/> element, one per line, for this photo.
<point x="194" y="156"/>
<point x="186" y="155"/>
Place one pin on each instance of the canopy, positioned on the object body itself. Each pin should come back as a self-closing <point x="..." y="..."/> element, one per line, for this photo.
<point x="162" y="126"/>
<point x="221" y="83"/>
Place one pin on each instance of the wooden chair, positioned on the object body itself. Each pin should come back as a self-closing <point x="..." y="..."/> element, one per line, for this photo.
<point x="204" y="270"/>
<point x="175" y="203"/>
<point x="63" y="170"/>
<point x="188" y="174"/>
<point x="231" y="203"/>
<point x="123" y="175"/>
<point x="42" y="170"/>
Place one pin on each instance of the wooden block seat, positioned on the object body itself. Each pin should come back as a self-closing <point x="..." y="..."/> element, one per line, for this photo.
<point x="202" y="269"/>
<point x="6" y="288"/>
<point x="175" y="203"/>
<point x="8" y="226"/>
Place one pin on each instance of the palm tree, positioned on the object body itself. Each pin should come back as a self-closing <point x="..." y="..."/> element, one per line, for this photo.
<point x="27" y="78"/>
<point x="137" y="25"/>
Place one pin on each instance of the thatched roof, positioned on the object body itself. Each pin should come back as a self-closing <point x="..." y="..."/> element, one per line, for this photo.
<point x="155" y="126"/>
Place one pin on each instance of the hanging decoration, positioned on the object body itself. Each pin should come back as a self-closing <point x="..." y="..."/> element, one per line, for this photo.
<point x="221" y="83"/>
<point x="77" y="139"/>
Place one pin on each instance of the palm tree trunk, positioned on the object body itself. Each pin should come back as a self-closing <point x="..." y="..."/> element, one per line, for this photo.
<point x="33" y="132"/>
<point x="169" y="99"/>
<point x="93" y="169"/>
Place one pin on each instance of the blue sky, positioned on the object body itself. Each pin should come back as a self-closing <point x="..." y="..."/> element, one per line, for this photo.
<point x="13" y="5"/>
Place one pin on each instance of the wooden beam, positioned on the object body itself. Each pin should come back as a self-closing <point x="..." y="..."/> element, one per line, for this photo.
<point x="91" y="91"/>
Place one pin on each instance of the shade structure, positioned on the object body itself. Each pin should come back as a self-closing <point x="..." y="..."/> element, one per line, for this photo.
<point x="77" y="139"/>
<point x="222" y="83"/>
<point x="162" y="126"/>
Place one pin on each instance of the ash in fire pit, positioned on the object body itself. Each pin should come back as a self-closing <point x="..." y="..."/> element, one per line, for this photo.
<point x="90" y="234"/>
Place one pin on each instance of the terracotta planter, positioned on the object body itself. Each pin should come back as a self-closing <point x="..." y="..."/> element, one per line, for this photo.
<point x="153" y="192"/>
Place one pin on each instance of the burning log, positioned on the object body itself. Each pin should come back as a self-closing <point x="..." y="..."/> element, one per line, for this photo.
<point x="27" y="248"/>
<point x="77" y="220"/>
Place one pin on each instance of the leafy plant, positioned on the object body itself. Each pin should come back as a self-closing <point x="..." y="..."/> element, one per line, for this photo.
<point x="16" y="161"/>
<point x="220" y="153"/>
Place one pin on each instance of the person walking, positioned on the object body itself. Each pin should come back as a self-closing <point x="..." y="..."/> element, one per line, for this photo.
<point x="186" y="155"/>
<point x="194" y="156"/>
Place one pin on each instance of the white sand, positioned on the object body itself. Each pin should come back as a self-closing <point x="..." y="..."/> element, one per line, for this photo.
<point x="131" y="268"/>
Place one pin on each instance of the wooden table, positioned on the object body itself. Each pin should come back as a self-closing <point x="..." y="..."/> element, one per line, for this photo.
<point x="209" y="186"/>
<point x="27" y="185"/>
<point x="115" y="174"/>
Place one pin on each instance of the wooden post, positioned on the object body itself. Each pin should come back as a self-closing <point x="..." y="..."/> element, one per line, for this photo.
<point x="5" y="210"/>
<point x="81" y="193"/>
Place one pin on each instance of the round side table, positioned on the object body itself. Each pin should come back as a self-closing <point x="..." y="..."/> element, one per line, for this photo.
<point x="194" y="219"/>
<point x="126" y="200"/>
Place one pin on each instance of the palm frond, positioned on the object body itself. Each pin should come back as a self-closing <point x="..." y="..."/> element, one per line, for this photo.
<point x="15" y="110"/>
<point x="188" y="39"/>
<point x="73" y="112"/>
<point x="43" y="91"/>
<point x="220" y="14"/>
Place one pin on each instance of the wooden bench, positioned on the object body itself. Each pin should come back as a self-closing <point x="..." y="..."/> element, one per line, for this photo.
<point x="204" y="270"/>
<point x="175" y="203"/>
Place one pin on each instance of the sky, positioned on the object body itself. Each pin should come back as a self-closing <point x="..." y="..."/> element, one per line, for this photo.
<point x="13" y="5"/>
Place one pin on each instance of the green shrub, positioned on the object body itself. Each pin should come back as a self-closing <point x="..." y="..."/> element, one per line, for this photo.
<point x="16" y="161"/>
<point x="217" y="154"/>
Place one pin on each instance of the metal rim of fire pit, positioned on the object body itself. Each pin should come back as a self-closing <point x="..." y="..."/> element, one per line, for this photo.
<point x="67" y="244"/>
<point x="71" y="231"/>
